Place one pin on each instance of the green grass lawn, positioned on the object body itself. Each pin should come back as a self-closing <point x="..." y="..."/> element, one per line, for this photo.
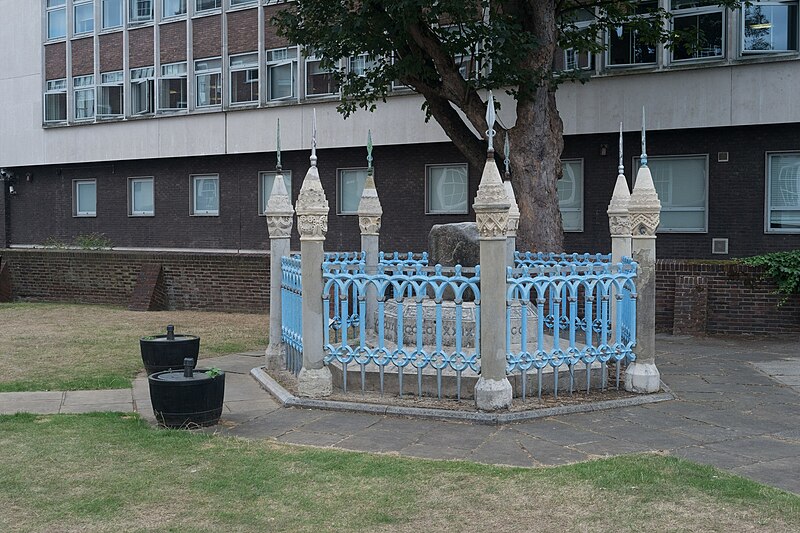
<point x="46" y="346"/>
<point x="111" y="472"/>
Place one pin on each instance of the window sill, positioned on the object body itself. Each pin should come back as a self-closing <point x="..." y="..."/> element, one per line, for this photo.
<point x="203" y="215"/>
<point x="147" y="215"/>
<point x="207" y="13"/>
<point x="55" y="40"/>
<point x="79" y="36"/>
<point x="85" y="216"/>
<point x="242" y="7"/>
<point x="106" y="31"/>
<point x="171" y="19"/>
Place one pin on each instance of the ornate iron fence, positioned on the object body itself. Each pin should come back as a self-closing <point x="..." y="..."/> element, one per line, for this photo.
<point x="590" y="319"/>
<point x="292" y="312"/>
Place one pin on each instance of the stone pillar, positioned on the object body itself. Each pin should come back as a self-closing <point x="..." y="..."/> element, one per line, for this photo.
<point x="314" y="380"/>
<point x="369" y="221"/>
<point x="513" y="222"/>
<point x="493" y="390"/>
<point x="619" y="222"/>
<point x="642" y="376"/>
<point x="279" y="214"/>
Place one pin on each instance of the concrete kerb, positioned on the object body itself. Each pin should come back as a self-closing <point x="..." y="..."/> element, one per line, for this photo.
<point x="289" y="400"/>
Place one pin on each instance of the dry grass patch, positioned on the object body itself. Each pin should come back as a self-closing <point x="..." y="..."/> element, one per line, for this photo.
<point x="108" y="472"/>
<point x="72" y="347"/>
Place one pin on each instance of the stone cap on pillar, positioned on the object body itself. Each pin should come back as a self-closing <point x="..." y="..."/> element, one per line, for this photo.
<point x="491" y="203"/>
<point x="369" y="207"/>
<point x="644" y="206"/>
<point x="312" y="205"/>
<point x="618" y="216"/>
<point x="513" y="212"/>
<point x="279" y="210"/>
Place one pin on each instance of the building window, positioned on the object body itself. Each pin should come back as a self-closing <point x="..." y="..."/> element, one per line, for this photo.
<point x="769" y="27"/>
<point x="319" y="81"/>
<point x="682" y="186"/>
<point x="205" y="5"/>
<point x="205" y="195"/>
<point x="142" y="91"/>
<point x="56" y="19"/>
<point x="349" y="186"/>
<point x="84" y="97"/>
<point x="141" y="10"/>
<point x="141" y="198"/>
<point x="109" y="95"/>
<point x="55" y="101"/>
<point x="244" y="78"/>
<point x="570" y="195"/>
<point x="783" y="193"/>
<point x="360" y="64"/>
<point x="208" y="82"/>
<point x="579" y="21"/>
<point x="173" y="8"/>
<point x="281" y="73"/>
<point x="112" y="14"/>
<point x="84" y="16"/>
<point x="265" y="182"/>
<point x="446" y="189"/>
<point x="172" y="87"/>
<point x="699" y="24"/>
<point x="84" y="195"/>
<point x="625" y="44"/>
<point x="242" y="2"/>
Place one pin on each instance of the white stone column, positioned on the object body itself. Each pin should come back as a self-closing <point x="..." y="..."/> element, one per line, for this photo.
<point x="279" y="214"/>
<point x="369" y="222"/>
<point x="513" y="222"/>
<point x="642" y="375"/>
<point x="619" y="223"/>
<point x="493" y="390"/>
<point x="314" y="380"/>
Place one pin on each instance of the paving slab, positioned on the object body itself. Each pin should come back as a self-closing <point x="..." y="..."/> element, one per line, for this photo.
<point x="44" y="407"/>
<point x="98" y="397"/>
<point x="123" y="407"/>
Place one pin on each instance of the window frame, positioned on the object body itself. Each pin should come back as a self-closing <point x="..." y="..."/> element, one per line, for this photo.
<point x="263" y="194"/>
<point x="121" y="4"/>
<point x="208" y="72"/>
<point x="275" y="63"/>
<point x="580" y="209"/>
<point x="105" y="84"/>
<point x="52" y="9"/>
<point x="194" y="181"/>
<point x="61" y="90"/>
<point x="204" y="10"/>
<point x="77" y="4"/>
<point x="661" y="229"/>
<point x="607" y="54"/>
<point x="755" y="53"/>
<point x="131" y="211"/>
<point x="699" y="11"/>
<point x="172" y="77"/>
<point x="232" y="70"/>
<point x="768" y="195"/>
<point x="76" y="211"/>
<point x="428" y="189"/>
<point x="88" y="87"/>
<point x="314" y="59"/>
<point x="165" y="16"/>
<point x="133" y="6"/>
<point x="340" y="196"/>
<point x="149" y="82"/>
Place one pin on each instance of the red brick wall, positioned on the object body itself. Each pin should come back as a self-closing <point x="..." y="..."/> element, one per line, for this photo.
<point x="111" y="52"/>
<point x="83" y="57"/>
<point x="140" y="48"/>
<point x="55" y="59"/>
<point x="242" y="31"/>
<point x="209" y="282"/>
<point x="271" y="37"/>
<point x="720" y="298"/>
<point x="173" y="42"/>
<point x="207" y="36"/>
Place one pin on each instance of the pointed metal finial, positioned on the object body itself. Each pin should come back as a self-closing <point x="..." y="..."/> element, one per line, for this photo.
<point x="644" y="142"/>
<point x="278" y="147"/>
<point x="507" y="154"/>
<point x="369" y="152"/>
<point x="314" y="138"/>
<point x="621" y="167"/>
<point x="491" y="118"/>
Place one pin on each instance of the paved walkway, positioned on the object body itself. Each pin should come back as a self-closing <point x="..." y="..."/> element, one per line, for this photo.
<point x="738" y="408"/>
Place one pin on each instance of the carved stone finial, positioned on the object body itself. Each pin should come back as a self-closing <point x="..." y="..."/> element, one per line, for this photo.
<point x="492" y="204"/>
<point x="279" y="210"/>
<point x="491" y="118"/>
<point x="619" y="220"/>
<point x="312" y="205"/>
<point x="644" y="206"/>
<point x="369" y="208"/>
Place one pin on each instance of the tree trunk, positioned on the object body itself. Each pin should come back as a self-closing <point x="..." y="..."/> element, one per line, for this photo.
<point x="537" y="143"/>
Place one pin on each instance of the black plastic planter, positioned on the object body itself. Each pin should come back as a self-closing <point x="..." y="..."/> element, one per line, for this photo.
<point x="167" y="352"/>
<point x="187" y="399"/>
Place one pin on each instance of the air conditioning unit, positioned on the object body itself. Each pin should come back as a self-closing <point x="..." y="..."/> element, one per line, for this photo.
<point x="719" y="246"/>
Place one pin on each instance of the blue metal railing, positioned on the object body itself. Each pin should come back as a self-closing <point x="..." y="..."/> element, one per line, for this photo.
<point x="292" y="312"/>
<point x="535" y="259"/>
<point x="578" y="298"/>
<point x="417" y="348"/>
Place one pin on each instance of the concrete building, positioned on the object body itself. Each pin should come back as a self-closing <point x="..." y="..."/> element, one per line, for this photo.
<point x="153" y="122"/>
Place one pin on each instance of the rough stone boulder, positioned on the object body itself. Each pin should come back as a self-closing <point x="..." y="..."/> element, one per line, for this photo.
<point x="454" y="244"/>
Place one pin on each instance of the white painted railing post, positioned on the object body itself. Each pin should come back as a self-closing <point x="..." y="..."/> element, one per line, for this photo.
<point x="280" y="215"/>
<point x="493" y="390"/>
<point x="369" y="222"/>
<point x="312" y="214"/>
<point x="642" y="376"/>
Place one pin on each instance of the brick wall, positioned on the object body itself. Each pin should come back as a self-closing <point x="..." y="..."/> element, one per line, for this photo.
<point x="207" y="36"/>
<point x="697" y="297"/>
<point x="209" y="282"/>
<point x="55" y="60"/>
<point x="242" y="31"/>
<point x="83" y="57"/>
<point x="111" y="52"/>
<point x="173" y="42"/>
<point x="140" y="48"/>
<point x="271" y="37"/>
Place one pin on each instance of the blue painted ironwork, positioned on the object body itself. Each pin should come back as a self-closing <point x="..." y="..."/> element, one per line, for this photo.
<point x="350" y="258"/>
<point x="292" y="312"/>
<point x="581" y="296"/>
<point x="535" y="259"/>
<point x="408" y="259"/>
<point x="392" y="345"/>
